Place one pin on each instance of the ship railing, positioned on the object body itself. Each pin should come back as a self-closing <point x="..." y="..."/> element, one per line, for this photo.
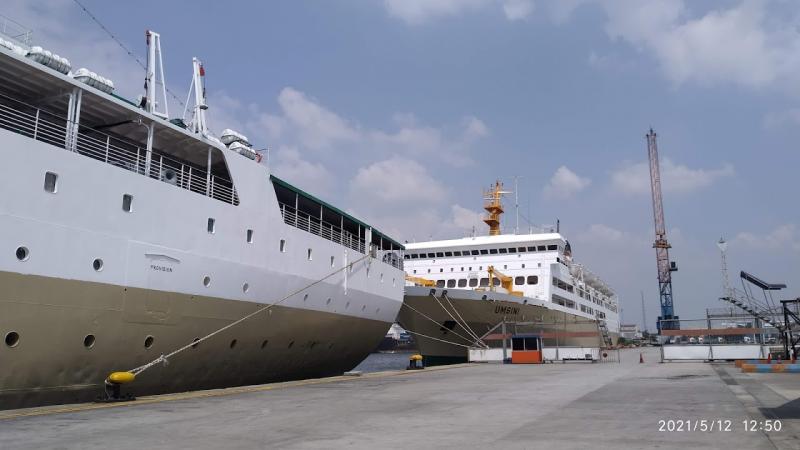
<point x="315" y="225"/>
<point x="43" y="126"/>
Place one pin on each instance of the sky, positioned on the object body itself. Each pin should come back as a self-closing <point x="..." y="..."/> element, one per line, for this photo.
<point x="402" y="111"/>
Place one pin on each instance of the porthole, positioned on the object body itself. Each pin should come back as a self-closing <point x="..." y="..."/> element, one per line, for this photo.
<point x="305" y="297"/>
<point x="148" y="341"/>
<point x="22" y="253"/>
<point x="196" y="342"/>
<point x="97" y="264"/>
<point x="283" y="246"/>
<point x="88" y="341"/>
<point x="245" y="288"/>
<point x="207" y="281"/>
<point x="363" y="307"/>
<point x="291" y="344"/>
<point x="328" y="302"/>
<point x="346" y="305"/>
<point x="264" y="344"/>
<point x="211" y="226"/>
<point x="233" y="343"/>
<point x="249" y="236"/>
<point x="12" y="339"/>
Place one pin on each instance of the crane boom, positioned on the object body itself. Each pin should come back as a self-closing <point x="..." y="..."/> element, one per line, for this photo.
<point x="506" y="282"/>
<point x="667" y="320"/>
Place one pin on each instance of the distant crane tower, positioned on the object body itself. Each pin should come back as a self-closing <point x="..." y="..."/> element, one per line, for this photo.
<point x="668" y="320"/>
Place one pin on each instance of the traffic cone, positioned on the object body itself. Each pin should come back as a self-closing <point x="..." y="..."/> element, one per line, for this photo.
<point x="641" y="358"/>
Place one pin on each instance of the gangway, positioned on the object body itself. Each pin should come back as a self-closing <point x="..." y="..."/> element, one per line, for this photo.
<point x="767" y="311"/>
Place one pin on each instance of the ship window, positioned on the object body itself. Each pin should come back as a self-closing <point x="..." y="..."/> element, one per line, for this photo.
<point x="462" y="282"/>
<point x="452" y="269"/>
<point x="332" y="260"/>
<point x="496" y="282"/>
<point x="12" y="339"/>
<point x="512" y="250"/>
<point x="493" y="251"/>
<point x="249" y="236"/>
<point x="441" y="270"/>
<point x="206" y="281"/>
<point x="457" y="253"/>
<point x="552" y="247"/>
<point x="473" y="282"/>
<point x="533" y="279"/>
<point x="484" y="252"/>
<point x="415" y="270"/>
<point x="414" y="256"/>
<point x="519" y="281"/>
<point x="523" y="266"/>
<point x="23" y="253"/>
<point x="211" y="225"/>
<point x="50" y="182"/>
<point x="97" y="264"/>
<point x="283" y="246"/>
<point x="431" y="255"/>
<point x="521" y="249"/>
<point x="484" y="282"/>
<point x="448" y="253"/>
<point x="439" y="254"/>
<point x="531" y="249"/>
<point x="542" y="248"/>
<point x="502" y="250"/>
<point x="451" y="283"/>
<point x="462" y="269"/>
<point x="505" y="266"/>
<point x="127" y="202"/>
<point x="474" y="252"/>
<point x="407" y="257"/>
<point x="88" y="341"/>
<point x="440" y="283"/>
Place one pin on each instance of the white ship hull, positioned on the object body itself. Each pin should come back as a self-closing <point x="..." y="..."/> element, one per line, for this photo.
<point x="164" y="274"/>
<point x="437" y="318"/>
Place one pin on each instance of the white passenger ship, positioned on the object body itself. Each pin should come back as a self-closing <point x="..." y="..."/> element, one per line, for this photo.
<point x="459" y="290"/>
<point x="126" y="235"/>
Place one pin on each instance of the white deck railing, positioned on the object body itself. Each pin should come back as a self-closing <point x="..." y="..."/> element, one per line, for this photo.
<point x="315" y="225"/>
<point x="43" y="126"/>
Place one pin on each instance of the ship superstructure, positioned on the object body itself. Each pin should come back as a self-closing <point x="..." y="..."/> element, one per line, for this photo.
<point x="513" y="277"/>
<point x="126" y="235"/>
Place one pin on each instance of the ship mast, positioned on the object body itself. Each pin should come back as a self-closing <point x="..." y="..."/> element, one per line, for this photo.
<point x="494" y="207"/>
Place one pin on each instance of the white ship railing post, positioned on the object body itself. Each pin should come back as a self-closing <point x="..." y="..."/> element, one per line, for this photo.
<point x="108" y="142"/>
<point x="148" y="158"/>
<point x="208" y="173"/>
<point x="36" y="124"/>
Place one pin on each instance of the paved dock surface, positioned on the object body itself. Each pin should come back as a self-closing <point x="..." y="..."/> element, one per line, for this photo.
<point x="563" y="406"/>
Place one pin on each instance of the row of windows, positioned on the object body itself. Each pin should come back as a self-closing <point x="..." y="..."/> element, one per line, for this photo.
<point x="484" y="282"/>
<point x="485" y="251"/>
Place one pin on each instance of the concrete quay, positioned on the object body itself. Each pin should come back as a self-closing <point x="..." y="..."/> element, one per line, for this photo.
<point x="565" y="406"/>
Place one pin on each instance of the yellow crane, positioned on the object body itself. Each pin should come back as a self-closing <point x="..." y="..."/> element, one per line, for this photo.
<point x="421" y="281"/>
<point x="506" y="282"/>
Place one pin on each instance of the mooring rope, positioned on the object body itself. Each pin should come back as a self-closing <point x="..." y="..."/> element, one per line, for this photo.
<point x="463" y="322"/>
<point x="164" y="358"/>
<point x="433" y="320"/>
<point x="440" y="340"/>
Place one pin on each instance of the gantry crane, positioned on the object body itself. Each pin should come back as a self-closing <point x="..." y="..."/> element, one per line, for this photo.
<point x="668" y="320"/>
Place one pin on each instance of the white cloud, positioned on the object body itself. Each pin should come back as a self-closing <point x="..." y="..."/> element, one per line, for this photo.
<point x="779" y="119"/>
<point x="678" y="178"/>
<point x="466" y="219"/>
<point x="287" y="163"/>
<point x="740" y="45"/>
<point x="474" y="128"/>
<point x="316" y="126"/>
<point x="565" y="183"/>
<point x="417" y="12"/>
<point x="783" y="237"/>
<point x="517" y="9"/>
<point x="396" y="182"/>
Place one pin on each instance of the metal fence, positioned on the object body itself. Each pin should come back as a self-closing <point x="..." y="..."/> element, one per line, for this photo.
<point x="718" y="337"/>
<point x="43" y="126"/>
<point x="319" y="227"/>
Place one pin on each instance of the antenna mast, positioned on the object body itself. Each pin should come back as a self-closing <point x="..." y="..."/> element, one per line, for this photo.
<point x="665" y="267"/>
<point x="198" y="123"/>
<point x="151" y="78"/>
<point x="494" y="207"/>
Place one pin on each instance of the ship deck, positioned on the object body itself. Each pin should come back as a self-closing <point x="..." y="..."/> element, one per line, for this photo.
<point x="573" y="405"/>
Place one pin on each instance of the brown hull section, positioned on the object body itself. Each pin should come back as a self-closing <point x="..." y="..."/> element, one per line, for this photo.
<point x="445" y="339"/>
<point x="50" y="363"/>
